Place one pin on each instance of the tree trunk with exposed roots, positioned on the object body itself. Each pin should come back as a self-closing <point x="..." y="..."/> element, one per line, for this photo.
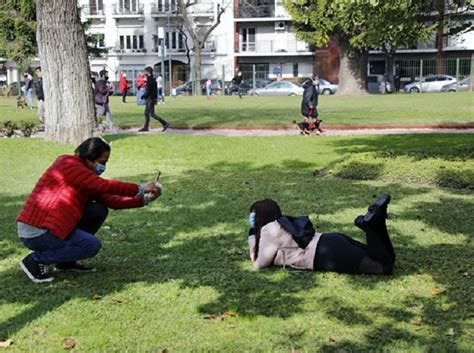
<point x="352" y="70"/>
<point x="70" y="113"/>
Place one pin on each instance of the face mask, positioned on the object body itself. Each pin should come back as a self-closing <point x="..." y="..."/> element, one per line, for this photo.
<point x="252" y="219"/>
<point x="99" y="169"/>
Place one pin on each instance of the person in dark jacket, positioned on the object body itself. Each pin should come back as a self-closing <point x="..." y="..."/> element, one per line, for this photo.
<point x="237" y="81"/>
<point x="150" y="96"/>
<point x="102" y="91"/>
<point x="309" y="110"/>
<point x="40" y="95"/>
<point x="68" y="206"/>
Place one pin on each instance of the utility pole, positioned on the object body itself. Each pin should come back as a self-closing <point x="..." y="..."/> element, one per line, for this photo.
<point x="169" y="52"/>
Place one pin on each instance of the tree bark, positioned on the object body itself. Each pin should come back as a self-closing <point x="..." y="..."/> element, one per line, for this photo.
<point x="70" y="113"/>
<point x="197" y="69"/>
<point x="352" y="70"/>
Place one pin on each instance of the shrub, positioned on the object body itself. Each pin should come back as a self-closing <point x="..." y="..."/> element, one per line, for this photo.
<point x="27" y="128"/>
<point x="10" y="128"/>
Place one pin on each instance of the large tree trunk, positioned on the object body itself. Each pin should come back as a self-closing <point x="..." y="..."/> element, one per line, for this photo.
<point x="352" y="70"/>
<point x="69" y="115"/>
<point x="197" y="69"/>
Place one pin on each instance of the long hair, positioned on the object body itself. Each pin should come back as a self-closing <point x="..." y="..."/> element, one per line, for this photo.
<point x="266" y="211"/>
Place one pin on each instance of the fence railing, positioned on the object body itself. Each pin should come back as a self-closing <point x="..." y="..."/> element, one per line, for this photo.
<point x="273" y="46"/>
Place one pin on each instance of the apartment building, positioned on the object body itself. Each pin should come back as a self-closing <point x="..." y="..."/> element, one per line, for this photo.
<point x="264" y="40"/>
<point x="140" y="33"/>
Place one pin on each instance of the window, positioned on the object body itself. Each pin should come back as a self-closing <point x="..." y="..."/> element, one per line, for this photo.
<point x="134" y="42"/>
<point x="96" y="7"/>
<point x="167" y="5"/>
<point x="295" y="70"/>
<point x="248" y="39"/>
<point x="129" y="5"/>
<point x="174" y="41"/>
<point x="261" y="71"/>
<point x="377" y="67"/>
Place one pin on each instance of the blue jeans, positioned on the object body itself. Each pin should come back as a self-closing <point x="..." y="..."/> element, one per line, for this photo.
<point x="80" y="244"/>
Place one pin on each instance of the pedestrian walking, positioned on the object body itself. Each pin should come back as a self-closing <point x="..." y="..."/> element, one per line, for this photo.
<point x="140" y="83"/>
<point x="159" y="85"/>
<point x="28" y="89"/>
<point x="208" y="86"/>
<point x="101" y="96"/>
<point x="150" y="96"/>
<point x="237" y="81"/>
<point x="40" y="96"/>
<point x="123" y="86"/>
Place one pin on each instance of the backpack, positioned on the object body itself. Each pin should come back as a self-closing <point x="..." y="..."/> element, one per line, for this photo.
<point x="300" y="228"/>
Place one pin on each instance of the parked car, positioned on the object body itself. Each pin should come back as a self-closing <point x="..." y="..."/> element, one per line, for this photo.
<point x="432" y="83"/>
<point x="325" y="87"/>
<point x="461" y="86"/>
<point x="231" y="89"/>
<point x="280" y="88"/>
<point x="187" y="88"/>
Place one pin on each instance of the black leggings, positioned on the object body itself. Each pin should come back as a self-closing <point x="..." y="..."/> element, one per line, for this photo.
<point x="337" y="252"/>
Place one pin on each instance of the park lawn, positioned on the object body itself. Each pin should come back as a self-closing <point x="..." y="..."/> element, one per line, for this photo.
<point x="176" y="274"/>
<point x="397" y="109"/>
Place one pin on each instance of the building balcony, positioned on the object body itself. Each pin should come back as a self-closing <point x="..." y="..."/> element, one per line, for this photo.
<point x="249" y="11"/>
<point x="261" y="9"/>
<point x="131" y="52"/>
<point x="135" y="11"/>
<point x="274" y="48"/>
<point x="164" y="9"/>
<point x="92" y="12"/>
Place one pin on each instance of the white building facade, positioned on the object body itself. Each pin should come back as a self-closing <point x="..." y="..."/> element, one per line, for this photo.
<point x="253" y="34"/>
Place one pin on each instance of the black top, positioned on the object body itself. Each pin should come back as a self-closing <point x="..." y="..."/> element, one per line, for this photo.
<point x="39" y="90"/>
<point x="151" y="91"/>
<point x="237" y="79"/>
<point x="310" y="99"/>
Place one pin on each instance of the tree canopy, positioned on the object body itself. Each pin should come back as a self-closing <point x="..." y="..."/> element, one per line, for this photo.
<point x="363" y="23"/>
<point x="18" y="29"/>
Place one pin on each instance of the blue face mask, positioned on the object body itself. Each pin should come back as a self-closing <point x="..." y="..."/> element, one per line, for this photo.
<point x="252" y="219"/>
<point x="99" y="169"/>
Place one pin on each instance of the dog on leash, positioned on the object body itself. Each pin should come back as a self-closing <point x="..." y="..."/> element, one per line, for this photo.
<point x="21" y="103"/>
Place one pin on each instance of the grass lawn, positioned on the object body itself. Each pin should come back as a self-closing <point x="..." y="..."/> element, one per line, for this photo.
<point x="398" y="109"/>
<point x="176" y="274"/>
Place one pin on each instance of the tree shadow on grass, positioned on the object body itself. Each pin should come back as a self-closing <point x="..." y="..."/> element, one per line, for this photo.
<point x="197" y="236"/>
<point x="418" y="147"/>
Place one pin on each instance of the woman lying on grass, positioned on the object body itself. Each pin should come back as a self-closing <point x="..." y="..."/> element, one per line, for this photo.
<point x="67" y="207"/>
<point x="288" y="241"/>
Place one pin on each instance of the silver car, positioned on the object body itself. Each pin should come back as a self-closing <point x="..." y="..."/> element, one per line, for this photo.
<point x="432" y="83"/>
<point x="461" y="86"/>
<point x="325" y="87"/>
<point x="279" y="88"/>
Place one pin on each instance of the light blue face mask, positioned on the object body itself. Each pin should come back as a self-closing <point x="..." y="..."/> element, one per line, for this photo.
<point x="252" y="219"/>
<point x="99" y="169"/>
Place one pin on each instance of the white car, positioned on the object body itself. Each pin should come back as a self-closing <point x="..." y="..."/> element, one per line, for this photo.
<point x="432" y="83"/>
<point x="461" y="86"/>
<point x="325" y="87"/>
<point x="280" y="88"/>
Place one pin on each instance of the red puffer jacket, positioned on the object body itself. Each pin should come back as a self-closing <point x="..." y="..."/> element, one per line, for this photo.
<point x="61" y="194"/>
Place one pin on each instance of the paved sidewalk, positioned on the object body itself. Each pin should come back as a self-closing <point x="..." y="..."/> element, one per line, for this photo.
<point x="349" y="131"/>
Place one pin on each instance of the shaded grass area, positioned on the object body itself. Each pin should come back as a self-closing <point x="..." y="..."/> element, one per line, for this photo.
<point x="398" y="109"/>
<point x="179" y="263"/>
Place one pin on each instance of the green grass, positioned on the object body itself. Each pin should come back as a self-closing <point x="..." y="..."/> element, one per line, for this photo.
<point x="399" y="109"/>
<point x="184" y="259"/>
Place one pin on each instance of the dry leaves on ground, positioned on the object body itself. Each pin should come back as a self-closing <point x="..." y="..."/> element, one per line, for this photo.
<point x="68" y="343"/>
<point x="6" y="344"/>
<point x="116" y="299"/>
<point x="437" y="291"/>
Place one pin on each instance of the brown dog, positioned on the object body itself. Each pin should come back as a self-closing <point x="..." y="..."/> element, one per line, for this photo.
<point x="21" y="103"/>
